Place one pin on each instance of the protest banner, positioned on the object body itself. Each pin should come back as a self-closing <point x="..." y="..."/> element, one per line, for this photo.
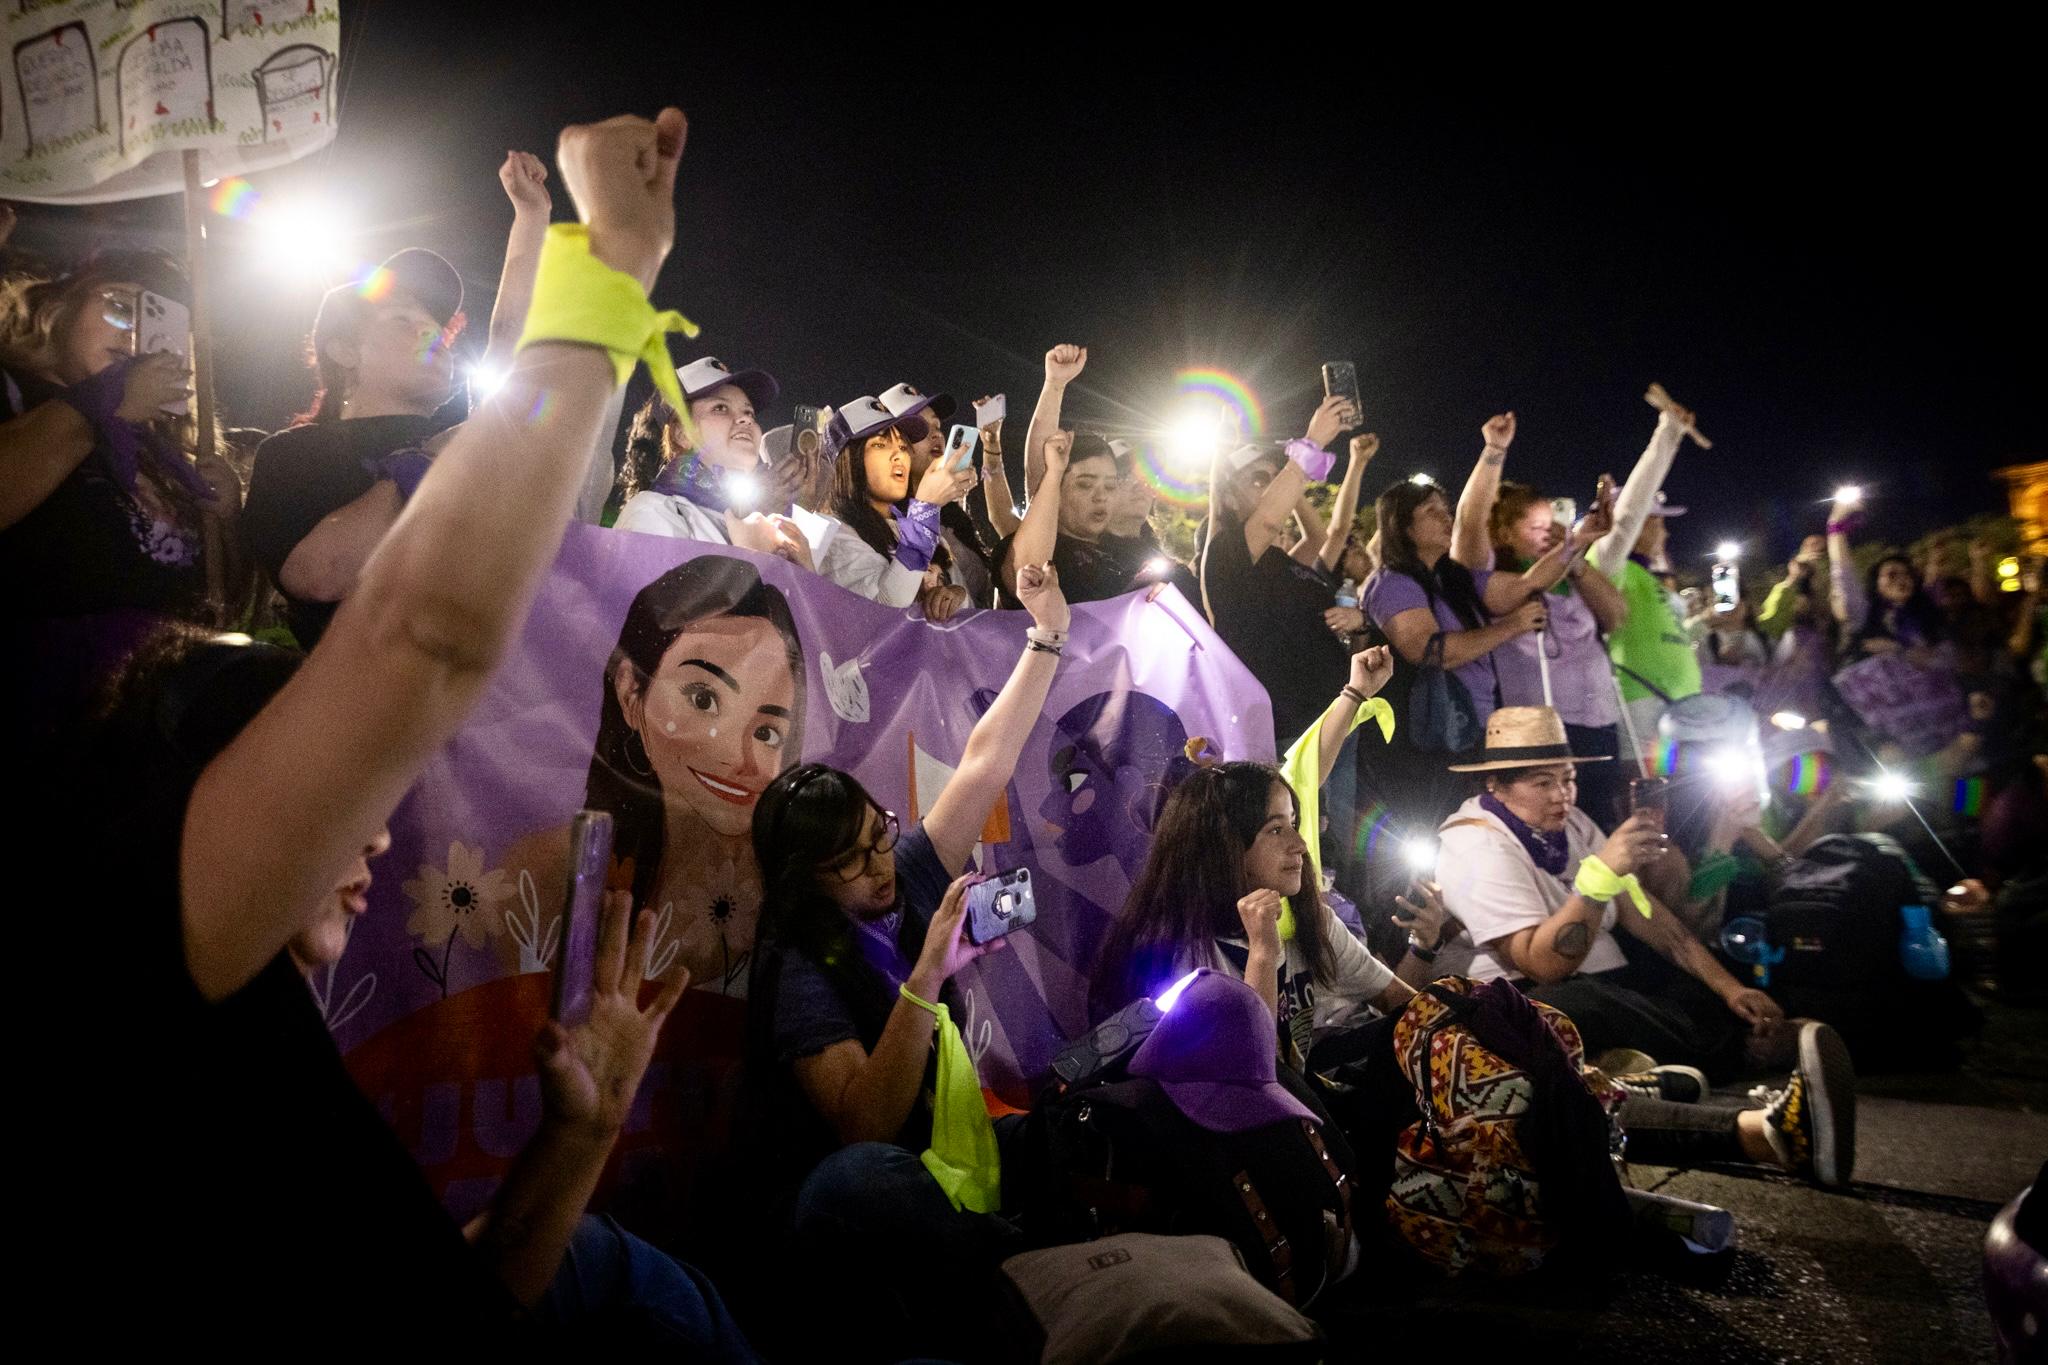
<point x="437" y="999"/>
<point x="1921" y="708"/>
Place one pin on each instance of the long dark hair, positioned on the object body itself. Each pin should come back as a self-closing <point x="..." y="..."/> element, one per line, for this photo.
<point x="620" y="779"/>
<point x="1918" y="610"/>
<point x="1186" y="895"/>
<point x="646" y="446"/>
<point x="853" y="501"/>
<point x="807" y="818"/>
<point x="1449" y="579"/>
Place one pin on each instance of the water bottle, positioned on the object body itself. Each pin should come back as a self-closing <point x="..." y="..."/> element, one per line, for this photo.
<point x="1704" y="1228"/>
<point x="1347" y="593"/>
<point x="1923" y="952"/>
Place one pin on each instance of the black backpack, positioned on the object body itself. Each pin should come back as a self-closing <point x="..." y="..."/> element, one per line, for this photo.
<point x="1835" y="912"/>
<point x="1118" y="1156"/>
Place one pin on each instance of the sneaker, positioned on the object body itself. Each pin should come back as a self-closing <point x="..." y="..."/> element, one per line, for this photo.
<point x="1811" y="1120"/>
<point x="1678" y="1084"/>
<point x="1624" y="1061"/>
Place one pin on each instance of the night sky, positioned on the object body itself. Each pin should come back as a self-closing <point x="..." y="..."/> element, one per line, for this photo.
<point x="1822" y="252"/>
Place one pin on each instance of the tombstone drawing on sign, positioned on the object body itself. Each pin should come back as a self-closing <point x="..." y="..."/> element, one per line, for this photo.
<point x="164" y="76"/>
<point x="294" y="92"/>
<point x="60" y="86"/>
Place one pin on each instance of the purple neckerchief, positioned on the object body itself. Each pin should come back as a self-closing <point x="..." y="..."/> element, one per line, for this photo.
<point x="1551" y="851"/>
<point x="98" y="398"/>
<point x="697" y="480"/>
<point x="917" y="535"/>
<point x="405" y="466"/>
<point x="877" y="942"/>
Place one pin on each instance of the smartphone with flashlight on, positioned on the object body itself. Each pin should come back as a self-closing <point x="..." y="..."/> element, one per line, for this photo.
<point x="960" y="444"/>
<point x="590" y="857"/>
<point x="1727" y="587"/>
<point x="1340" y="380"/>
<point x="1001" y="905"/>
<point x="1652" y="794"/>
<point x="1565" y="512"/>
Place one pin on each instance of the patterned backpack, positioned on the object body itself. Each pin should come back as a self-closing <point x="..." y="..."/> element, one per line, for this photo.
<point x="1511" y="1158"/>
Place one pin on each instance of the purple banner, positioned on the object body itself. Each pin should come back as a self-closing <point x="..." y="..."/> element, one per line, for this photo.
<point x="1921" y="708"/>
<point x="438" y="996"/>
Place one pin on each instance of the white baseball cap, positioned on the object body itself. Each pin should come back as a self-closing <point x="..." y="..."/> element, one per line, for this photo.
<point x="701" y="376"/>
<point x="864" y="417"/>
<point x="907" y="400"/>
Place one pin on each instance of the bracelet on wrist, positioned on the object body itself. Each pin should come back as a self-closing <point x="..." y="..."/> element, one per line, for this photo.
<point x="1353" y="694"/>
<point x="1045" y="635"/>
<point x="1425" y="954"/>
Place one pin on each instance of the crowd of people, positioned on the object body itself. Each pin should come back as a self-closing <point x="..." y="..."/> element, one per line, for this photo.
<point x="1555" y="771"/>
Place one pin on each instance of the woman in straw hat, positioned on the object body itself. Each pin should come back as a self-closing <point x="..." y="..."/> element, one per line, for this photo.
<point x="1541" y="891"/>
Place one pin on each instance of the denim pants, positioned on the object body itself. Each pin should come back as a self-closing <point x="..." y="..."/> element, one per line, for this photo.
<point x="890" y="1267"/>
<point x="1664" y="1133"/>
<point x="612" y="1288"/>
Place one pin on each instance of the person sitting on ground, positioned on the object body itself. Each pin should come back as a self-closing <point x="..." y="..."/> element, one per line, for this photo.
<point x="1510" y="526"/>
<point x="1513" y="863"/>
<point x="102" y="509"/>
<point x="323" y="493"/>
<point x="1271" y="607"/>
<point x="243" y="794"/>
<point x="889" y="536"/>
<point x="862" y="929"/>
<point x="970" y="577"/>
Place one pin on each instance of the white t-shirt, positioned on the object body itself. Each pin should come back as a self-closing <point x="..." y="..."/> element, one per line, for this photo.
<point x="856" y="566"/>
<point x="668" y="514"/>
<point x="1495" y="888"/>
<point x="1309" y="1009"/>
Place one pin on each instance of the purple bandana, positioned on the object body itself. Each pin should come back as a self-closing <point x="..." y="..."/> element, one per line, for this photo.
<point x="917" y="535"/>
<point x="696" y="479"/>
<point x="1550" y="851"/>
<point x="98" y="397"/>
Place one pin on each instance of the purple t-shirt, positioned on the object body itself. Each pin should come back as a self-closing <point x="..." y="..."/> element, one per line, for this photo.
<point x="1388" y="593"/>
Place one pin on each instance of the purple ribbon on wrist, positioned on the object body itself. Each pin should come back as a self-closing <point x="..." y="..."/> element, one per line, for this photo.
<point x="405" y="467"/>
<point x="98" y="398"/>
<point x="1836" y="528"/>
<point x="1310" y="458"/>
<point x="917" y="535"/>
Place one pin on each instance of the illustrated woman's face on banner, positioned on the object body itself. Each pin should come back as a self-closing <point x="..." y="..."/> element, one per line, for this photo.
<point x="716" y="718"/>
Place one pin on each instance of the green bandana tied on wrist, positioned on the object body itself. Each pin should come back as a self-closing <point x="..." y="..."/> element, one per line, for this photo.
<point x="1303" y="770"/>
<point x="1597" y="881"/>
<point x="963" y="1157"/>
<point x="579" y="299"/>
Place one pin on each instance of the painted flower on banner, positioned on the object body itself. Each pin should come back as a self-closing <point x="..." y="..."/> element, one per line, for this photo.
<point x="462" y="899"/>
<point x="713" y="919"/>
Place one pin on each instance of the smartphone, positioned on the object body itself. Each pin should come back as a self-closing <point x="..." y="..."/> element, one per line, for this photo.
<point x="1565" y="512"/>
<point x="1000" y="905"/>
<point x="1727" y="587"/>
<point x="162" y="324"/>
<point x="960" y="444"/>
<point x="1109" y="1043"/>
<point x="1340" y="380"/>
<point x="590" y="858"/>
<point x="1650" y="794"/>
<point x="990" y="411"/>
<point x="804" y="429"/>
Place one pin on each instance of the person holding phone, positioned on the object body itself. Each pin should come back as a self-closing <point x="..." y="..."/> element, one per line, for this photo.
<point x="858" y="910"/>
<point x="890" y="540"/>
<point x="102" y="508"/>
<point x="969" y="579"/>
<point x="1511" y="526"/>
<point x="239" y="796"/>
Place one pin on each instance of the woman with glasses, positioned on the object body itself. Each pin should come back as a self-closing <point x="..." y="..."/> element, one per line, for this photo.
<point x="102" y="509"/>
<point x="856" y="912"/>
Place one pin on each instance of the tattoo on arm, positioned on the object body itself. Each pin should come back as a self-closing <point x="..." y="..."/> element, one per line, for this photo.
<point x="1492" y="457"/>
<point x="1574" y="940"/>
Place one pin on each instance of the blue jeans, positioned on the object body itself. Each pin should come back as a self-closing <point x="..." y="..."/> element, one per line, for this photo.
<point x="614" y="1288"/>
<point x="899" y="1270"/>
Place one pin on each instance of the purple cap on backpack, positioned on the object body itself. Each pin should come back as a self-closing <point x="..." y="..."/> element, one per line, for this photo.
<point x="1213" y="1053"/>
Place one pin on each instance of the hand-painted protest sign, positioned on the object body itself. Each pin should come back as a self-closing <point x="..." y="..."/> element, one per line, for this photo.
<point x="439" y="994"/>
<point x="99" y="97"/>
<point x="1921" y="708"/>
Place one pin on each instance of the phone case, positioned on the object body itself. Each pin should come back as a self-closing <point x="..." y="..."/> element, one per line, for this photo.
<point x="960" y="444"/>
<point x="1000" y="905"/>
<point x="993" y="411"/>
<point x="590" y="857"/>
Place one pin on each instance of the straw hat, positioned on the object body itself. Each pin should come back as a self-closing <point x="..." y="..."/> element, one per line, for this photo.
<point x="1525" y="737"/>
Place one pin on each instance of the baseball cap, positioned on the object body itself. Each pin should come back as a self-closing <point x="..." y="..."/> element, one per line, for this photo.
<point x="701" y="376"/>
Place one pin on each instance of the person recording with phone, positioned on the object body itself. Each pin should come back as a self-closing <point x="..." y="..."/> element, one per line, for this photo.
<point x="969" y="579"/>
<point x="889" y="544"/>
<point x="1510" y="526"/>
<point x="863" y="928"/>
<point x="102" y="507"/>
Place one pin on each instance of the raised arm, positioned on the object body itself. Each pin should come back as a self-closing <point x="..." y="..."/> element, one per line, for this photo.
<point x="1345" y="508"/>
<point x="1309" y="549"/>
<point x="995" y="484"/>
<point x="1504" y="592"/>
<point x="275" y="821"/>
<point x="1470" y="543"/>
<point x="525" y="179"/>
<point x="1845" y="594"/>
<point x="1370" y="669"/>
<point x="1639" y="495"/>
<point x="1040" y="529"/>
<point x="955" y="822"/>
<point x="1063" y="365"/>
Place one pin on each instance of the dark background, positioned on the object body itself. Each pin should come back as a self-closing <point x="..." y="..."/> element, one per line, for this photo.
<point x="1823" y="251"/>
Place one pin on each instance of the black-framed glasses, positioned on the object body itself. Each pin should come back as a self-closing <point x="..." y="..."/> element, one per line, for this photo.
<point x="849" y="867"/>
